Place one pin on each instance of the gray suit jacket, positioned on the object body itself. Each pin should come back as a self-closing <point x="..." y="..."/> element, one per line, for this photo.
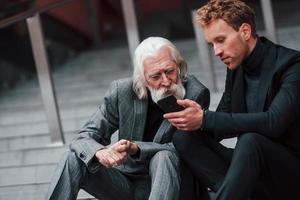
<point x="122" y="111"/>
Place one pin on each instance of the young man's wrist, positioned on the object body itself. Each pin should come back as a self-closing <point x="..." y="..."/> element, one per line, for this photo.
<point x="203" y="120"/>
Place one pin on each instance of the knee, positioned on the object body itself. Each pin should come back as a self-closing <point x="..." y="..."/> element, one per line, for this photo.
<point x="72" y="161"/>
<point x="182" y="142"/>
<point x="165" y="155"/>
<point x="71" y="158"/>
<point x="250" y="143"/>
<point x="164" y="158"/>
<point x="251" y="139"/>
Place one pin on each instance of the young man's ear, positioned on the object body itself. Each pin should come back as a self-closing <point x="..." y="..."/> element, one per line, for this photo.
<point x="246" y="31"/>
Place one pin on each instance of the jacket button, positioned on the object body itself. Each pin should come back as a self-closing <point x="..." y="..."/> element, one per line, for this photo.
<point x="82" y="155"/>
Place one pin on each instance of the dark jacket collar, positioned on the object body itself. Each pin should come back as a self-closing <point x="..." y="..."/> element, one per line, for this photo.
<point x="266" y="60"/>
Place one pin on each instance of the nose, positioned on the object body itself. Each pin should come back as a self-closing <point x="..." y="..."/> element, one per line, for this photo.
<point x="165" y="80"/>
<point x="218" y="51"/>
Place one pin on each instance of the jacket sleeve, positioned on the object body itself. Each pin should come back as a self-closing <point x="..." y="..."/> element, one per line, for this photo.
<point x="273" y="123"/>
<point x="96" y="133"/>
<point x="203" y="98"/>
<point x="148" y="149"/>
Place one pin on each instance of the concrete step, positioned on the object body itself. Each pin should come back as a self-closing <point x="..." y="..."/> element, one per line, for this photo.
<point x="64" y="98"/>
<point x="22" y="192"/>
<point x="93" y="74"/>
<point x="40" y="128"/>
<point x="70" y="112"/>
<point x="31" y="115"/>
<point x="31" y="157"/>
<point x="35" y="174"/>
<point x="32" y="142"/>
<point x="59" y="88"/>
<point x="32" y="150"/>
<point x="24" y="130"/>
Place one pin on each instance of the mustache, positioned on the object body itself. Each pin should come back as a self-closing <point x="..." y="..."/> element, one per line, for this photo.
<point x="175" y="89"/>
<point x="166" y="91"/>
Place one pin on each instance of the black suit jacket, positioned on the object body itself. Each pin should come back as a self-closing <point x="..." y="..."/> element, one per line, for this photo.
<point x="278" y="114"/>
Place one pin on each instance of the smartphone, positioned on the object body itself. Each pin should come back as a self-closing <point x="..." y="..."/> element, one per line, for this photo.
<point x="169" y="104"/>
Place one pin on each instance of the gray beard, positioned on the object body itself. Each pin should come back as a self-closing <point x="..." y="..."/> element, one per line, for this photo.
<point x="176" y="89"/>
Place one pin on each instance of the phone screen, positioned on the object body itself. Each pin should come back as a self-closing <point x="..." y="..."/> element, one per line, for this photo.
<point x="169" y="104"/>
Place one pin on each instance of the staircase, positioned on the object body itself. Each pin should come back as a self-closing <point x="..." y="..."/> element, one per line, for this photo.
<point x="27" y="157"/>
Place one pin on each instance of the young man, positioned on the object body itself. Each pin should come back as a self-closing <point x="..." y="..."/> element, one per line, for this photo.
<point x="260" y="105"/>
<point x="143" y="164"/>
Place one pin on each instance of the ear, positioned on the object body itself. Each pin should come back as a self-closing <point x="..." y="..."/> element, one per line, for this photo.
<point x="246" y="31"/>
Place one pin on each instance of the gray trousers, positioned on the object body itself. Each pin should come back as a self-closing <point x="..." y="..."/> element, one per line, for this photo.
<point x="161" y="183"/>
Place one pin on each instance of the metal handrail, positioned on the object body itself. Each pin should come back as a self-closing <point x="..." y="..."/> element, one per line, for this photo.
<point x="31" y="12"/>
<point x="32" y="17"/>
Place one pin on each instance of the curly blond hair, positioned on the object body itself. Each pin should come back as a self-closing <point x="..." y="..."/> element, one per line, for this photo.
<point x="233" y="12"/>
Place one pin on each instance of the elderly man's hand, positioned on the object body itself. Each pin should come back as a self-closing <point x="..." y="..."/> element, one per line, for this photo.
<point x="189" y="119"/>
<point x="115" y="155"/>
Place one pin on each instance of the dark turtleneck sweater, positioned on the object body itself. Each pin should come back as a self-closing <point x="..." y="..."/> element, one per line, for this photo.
<point x="153" y="121"/>
<point x="252" y="68"/>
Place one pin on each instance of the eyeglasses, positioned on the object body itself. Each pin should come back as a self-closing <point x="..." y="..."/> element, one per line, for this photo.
<point x="170" y="73"/>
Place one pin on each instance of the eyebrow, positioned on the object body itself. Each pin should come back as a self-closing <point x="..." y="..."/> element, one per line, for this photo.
<point x="155" y="74"/>
<point x="158" y="72"/>
<point x="219" y="37"/>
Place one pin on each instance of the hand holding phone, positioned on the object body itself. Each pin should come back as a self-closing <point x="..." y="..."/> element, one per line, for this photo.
<point x="169" y="104"/>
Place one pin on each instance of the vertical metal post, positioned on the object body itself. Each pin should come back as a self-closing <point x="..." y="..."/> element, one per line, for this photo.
<point x="131" y="25"/>
<point x="45" y="78"/>
<point x="268" y="16"/>
<point x="204" y="55"/>
<point x="93" y="21"/>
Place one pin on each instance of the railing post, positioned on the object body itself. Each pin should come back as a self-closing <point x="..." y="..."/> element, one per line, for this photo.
<point x="268" y="16"/>
<point x="93" y="21"/>
<point x="204" y="55"/>
<point x="131" y="25"/>
<point x="45" y="78"/>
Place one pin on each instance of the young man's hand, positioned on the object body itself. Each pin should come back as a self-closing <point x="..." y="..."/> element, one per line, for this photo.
<point x="189" y="119"/>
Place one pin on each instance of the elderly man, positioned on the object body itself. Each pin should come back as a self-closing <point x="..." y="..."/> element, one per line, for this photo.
<point x="143" y="164"/>
<point x="260" y="105"/>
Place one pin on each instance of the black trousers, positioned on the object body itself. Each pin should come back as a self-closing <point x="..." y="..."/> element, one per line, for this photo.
<point x="258" y="168"/>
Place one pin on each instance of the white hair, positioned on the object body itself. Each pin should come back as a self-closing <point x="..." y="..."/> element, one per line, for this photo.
<point x="151" y="47"/>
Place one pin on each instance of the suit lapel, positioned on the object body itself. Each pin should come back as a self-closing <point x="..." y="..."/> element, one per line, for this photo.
<point x="162" y="131"/>
<point x="238" y="91"/>
<point x="265" y="81"/>
<point x="139" y="119"/>
<point x="238" y="98"/>
<point x="139" y="122"/>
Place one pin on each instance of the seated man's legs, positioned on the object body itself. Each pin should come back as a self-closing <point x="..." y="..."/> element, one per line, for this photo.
<point x="259" y="167"/>
<point x="258" y="161"/>
<point x="207" y="158"/>
<point x="191" y="188"/>
<point x="165" y="176"/>
<point x="72" y="174"/>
